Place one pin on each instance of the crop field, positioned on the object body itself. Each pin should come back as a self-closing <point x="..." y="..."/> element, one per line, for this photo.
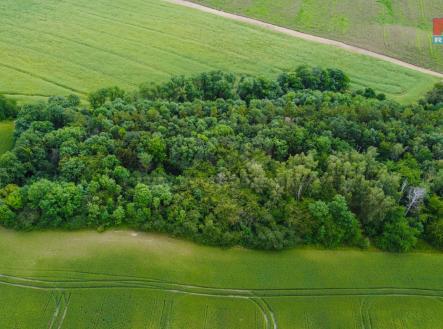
<point x="52" y="47"/>
<point x="122" y="279"/>
<point x="398" y="28"/>
<point x="6" y="130"/>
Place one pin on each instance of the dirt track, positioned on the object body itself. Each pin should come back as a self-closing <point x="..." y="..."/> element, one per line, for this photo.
<point x="305" y="36"/>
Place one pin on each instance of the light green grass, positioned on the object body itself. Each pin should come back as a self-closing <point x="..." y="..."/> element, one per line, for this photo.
<point x="6" y="131"/>
<point x="59" y="47"/>
<point x="399" y="28"/>
<point x="121" y="279"/>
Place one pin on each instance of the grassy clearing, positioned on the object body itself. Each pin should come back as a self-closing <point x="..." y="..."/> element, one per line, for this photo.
<point x="6" y="130"/>
<point x="52" y="47"/>
<point x="402" y="29"/>
<point x="127" y="280"/>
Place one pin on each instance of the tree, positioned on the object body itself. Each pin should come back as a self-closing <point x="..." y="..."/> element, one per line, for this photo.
<point x="216" y="85"/>
<point x="308" y="79"/>
<point x="72" y="169"/>
<point x="338" y="80"/>
<point x="416" y="196"/>
<point x="98" y="98"/>
<point x="434" y="214"/>
<point x="289" y="81"/>
<point x="369" y="93"/>
<point x="12" y="196"/>
<point x="435" y="96"/>
<point x="250" y="88"/>
<point x="397" y="235"/>
<point x="337" y="224"/>
<point x="11" y="169"/>
<point x="140" y="209"/>
<point x="55" y="203"/>
<point x="185" y="150"/>
<point x="435" y="233"/>
<point x="346" y="220"/>
<point x="151" y="149"/>
<point x="7" y="216"/>
<point x="299" y="176"/>
<point x="8" y="108"/>
<point x="179" y="89"/>
<point x="319" y="79"/>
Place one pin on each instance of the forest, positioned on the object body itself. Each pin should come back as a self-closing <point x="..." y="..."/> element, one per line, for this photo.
<point x="227" y="159"/>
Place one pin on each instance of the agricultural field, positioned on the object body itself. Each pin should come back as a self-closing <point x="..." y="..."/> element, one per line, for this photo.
<point x="6" y="130"/>
<point x="398" y="28"/>
<point x="187" y="158"/>
<point x="52" y="47"/>
<point x="122" y="279"/>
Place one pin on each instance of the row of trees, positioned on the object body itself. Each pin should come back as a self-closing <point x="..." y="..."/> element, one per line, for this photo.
<point x="222" y="85"/>
<point x="208" y="158"/>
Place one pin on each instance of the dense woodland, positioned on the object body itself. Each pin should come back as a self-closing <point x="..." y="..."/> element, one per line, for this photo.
<point x="232" y="160"/>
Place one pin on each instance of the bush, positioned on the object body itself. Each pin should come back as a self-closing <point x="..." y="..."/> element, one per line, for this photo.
<point x="435" y="96"/>
<point x="8" y="108"/>
<point x="435" y="233"/>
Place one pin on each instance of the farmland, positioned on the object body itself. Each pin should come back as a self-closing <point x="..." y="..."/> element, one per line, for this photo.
<point x="401" y="29"/>
<point x="122" y="279"/>
<point x="6" y="129"/>
<point x="52" y="47"/>
<point x="197" y="172"/>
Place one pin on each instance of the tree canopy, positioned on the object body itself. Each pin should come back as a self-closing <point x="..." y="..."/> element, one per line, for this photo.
<point x="225" y="159"/>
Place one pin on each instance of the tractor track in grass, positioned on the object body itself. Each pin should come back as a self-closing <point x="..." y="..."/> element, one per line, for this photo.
<point x="133" y="41"/>
<point x="42" y="78"/>
<point x="158" y="31"/>
<point x="67" y="300"/>
<point x="266" y="310"/>
<point x="42" y="53"/>
<point x="66" y="282"/>
<point x="56" y="312"/>
<point x="166" y="286"/>
<point x="305" y="36"/>
<point x="7" y="93"/>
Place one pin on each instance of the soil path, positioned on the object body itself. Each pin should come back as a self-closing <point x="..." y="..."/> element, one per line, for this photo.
<point x="305" y="36"/>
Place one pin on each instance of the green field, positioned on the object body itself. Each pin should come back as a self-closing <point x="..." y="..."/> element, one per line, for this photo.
<point x="398" y="28"/>
<point x="52" y="47"/>
<point x="6" y="130"/>
<point x="122" y="279"/>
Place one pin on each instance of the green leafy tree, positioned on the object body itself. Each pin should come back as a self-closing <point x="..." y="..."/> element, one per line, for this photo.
<point x="435" y="96"/>
<point x="398" y="235"/>
<point x="11" y="169"/>
<point x="8" y="108"/>
<point x="55" y="203"/>
<point x="338" y="225"/>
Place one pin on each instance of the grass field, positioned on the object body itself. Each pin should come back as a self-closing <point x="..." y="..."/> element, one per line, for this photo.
<point x="6" y="130"/>
<point x="59" y="47"/>
<point x="121" y="279"/>
<point x="398" y="28"/>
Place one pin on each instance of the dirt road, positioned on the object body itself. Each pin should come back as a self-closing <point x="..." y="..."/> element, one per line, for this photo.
<point x="305" y="36"/>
